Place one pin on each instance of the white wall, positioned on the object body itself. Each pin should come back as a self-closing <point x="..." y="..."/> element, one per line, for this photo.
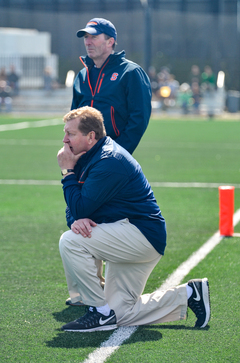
<point x="14" y="41"/>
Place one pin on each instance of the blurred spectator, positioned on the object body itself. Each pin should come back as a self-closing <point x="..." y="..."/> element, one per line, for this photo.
<point x="13" y="80"/>
<point x="163" y="77"/>
<point x="195" y="81"/>
<point x="3" y="74"/>
<point x="161" y="80"/>
<point x="5" y="97"/>
<point x="50" y="83"/>
<point x="208" y="87"/>
<point x="185" y="97"/>
<point x="166" y="73"/>
<point x="195" y="75"/>
<point x="48" y="79"/>
<point x="196" y="97"/>
<point x="153" y="79"/>
<point x="174" y="86"/>
<point x="208" y="79"/>
<point x="168" y="88"/>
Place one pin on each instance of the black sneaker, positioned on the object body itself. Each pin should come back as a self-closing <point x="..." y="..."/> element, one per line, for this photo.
<point x="92" y="321"/>
<point x="78" y="303"/>
<point x="199" y="301"/>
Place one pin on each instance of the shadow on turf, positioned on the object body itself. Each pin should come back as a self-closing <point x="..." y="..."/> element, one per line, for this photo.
<point x="94" y="339"/>
<point x="178" y="327"/>
<point x="69" y="314"/>
<point x="85" y="340"/>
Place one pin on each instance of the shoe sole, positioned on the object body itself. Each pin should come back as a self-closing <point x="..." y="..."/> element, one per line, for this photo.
<point x="78" y="303"/>
<point x="99" y="328"/>
<point x="206" y="300"/>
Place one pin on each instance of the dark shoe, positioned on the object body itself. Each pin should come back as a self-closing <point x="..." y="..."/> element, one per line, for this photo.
<point x="78" y="303"/>
<point x="199" y="301"/>
<point x="92" y="321"/>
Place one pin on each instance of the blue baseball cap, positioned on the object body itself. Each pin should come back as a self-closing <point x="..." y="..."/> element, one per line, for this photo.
<point x="98" y="26"/>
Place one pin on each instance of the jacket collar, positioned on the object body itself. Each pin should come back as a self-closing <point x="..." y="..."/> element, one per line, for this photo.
<point x="112" y="57"/>
<point x="89" y="155"/>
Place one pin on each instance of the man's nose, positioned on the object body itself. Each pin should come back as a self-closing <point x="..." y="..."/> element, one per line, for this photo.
<point x="87" y="41"/>
<point x="65" y="139"/>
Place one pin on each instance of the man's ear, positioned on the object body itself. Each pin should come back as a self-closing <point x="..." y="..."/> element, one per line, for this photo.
<point x="111" y="41"/>
<point x="91" y="137"/>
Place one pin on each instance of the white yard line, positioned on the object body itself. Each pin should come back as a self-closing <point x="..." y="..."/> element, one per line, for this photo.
<point x="153" y="184"/>
<point x="29" y="124"/>
<point x="176" y="277"/>
<point x="29" y="182"/>
<point x="121" y="334"/>
<point x="190" y="185"/>
<point x="30" y="142"/>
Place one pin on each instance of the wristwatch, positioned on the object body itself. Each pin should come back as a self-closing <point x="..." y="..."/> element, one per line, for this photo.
<point x="66" y="171"/>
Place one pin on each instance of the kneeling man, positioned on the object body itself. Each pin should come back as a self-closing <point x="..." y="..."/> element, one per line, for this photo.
<point x="113" y="216"/>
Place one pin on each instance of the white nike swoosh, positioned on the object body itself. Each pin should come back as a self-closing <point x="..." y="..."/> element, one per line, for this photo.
<point x="102" y="322"/>
<point x="198" y="298"/>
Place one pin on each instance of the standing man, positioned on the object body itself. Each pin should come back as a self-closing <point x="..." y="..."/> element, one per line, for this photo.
<point x="117" y="87"/>
<point x="117" y="219"/>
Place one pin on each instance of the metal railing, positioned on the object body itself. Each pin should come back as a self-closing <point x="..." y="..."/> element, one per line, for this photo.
<point x="31" y="70"/>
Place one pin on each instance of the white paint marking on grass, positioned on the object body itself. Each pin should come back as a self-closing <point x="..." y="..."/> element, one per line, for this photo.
<point x="236" y="217"/>
<point x="111" y="345"/>
<point x="29" y="182"/>
<point x="28" y="124"/>
<point x="153" y="184"/>
<point x="190" y="145"/>
<point x="121" y="334"/>
<point x="189" y="185"/>
<point x="31" y="142"/>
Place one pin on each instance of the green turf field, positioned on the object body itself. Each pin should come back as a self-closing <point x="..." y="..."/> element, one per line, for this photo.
<point x="33" y="286"/>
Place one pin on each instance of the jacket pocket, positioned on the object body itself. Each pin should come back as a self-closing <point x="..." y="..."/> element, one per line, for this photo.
<point x="117" y="133"/>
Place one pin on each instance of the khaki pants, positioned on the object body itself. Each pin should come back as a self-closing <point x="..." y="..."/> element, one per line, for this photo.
<point x="99" y="264"/>
<point x="130" y="259"/>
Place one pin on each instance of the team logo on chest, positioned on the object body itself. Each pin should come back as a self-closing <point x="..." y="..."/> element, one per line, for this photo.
<point x="114" y="77"/>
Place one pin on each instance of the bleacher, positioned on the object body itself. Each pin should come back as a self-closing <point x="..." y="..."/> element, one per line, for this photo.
<point x="42" y="101"/>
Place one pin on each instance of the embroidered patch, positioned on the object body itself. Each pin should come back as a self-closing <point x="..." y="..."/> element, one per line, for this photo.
<point x="114" y="77"/>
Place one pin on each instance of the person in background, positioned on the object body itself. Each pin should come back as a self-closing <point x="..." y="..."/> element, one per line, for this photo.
<point x="5" y="97"/>
<point x="208" y="89"/>
<point x="3" y="74"/>
<point x="195" y="75"/>
<point x="196" y="97"/>
<point x="185" y="97"/>
<point x="13" y="80"/>
<point x="152" y="74"/>
<point x="48" y="78"/>
<point x="117" y="87"/>
<point x="208" y="79"/>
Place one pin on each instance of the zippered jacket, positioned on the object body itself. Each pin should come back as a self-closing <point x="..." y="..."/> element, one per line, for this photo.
<point x="122" y="94"/>
<point x="108" y="185"/>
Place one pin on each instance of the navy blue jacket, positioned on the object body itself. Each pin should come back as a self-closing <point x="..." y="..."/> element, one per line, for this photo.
<point x="122" y="94"/>
<point x="109" y="185"/>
